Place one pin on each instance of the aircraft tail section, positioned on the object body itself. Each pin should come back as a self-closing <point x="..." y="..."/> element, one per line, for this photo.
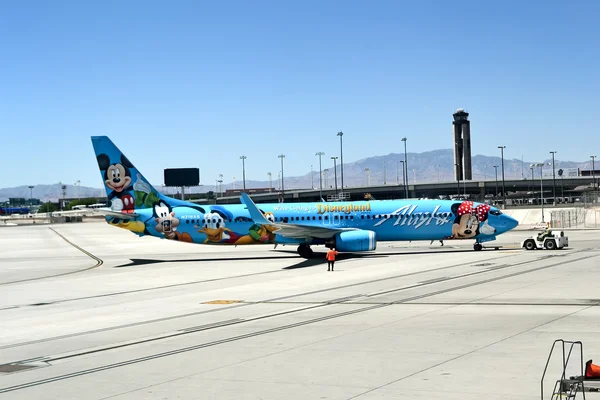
<point x="126" y="188"/>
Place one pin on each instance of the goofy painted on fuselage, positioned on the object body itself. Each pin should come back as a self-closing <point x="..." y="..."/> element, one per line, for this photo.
<point x="352" y="226"/>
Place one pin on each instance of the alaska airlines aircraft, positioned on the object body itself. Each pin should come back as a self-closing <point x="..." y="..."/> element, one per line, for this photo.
<point x="351" y="226"/>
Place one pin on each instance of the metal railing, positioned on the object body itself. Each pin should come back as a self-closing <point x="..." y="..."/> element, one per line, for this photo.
<point x="565" y="388"/>
<point x="338" y="196"/>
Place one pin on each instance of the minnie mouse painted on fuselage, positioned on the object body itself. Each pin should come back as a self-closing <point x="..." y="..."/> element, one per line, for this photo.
<point x="117" y="176"/>
<point x="470" y="220"/>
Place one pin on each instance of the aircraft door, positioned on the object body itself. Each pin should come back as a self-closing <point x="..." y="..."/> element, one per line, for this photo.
<point x="335" y="219"/>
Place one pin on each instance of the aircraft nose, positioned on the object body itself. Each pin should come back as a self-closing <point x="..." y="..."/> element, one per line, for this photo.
<point x="509" y="222"/>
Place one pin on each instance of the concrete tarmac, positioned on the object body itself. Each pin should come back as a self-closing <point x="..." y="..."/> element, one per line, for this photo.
<point x="89" y="311"/>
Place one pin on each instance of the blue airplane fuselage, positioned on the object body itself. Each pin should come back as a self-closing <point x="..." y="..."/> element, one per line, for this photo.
<point x="390" y="220"/>
<point x="137" y="206"/>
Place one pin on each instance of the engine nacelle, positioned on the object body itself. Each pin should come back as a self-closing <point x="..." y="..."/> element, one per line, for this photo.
<point x="361" y="240"/>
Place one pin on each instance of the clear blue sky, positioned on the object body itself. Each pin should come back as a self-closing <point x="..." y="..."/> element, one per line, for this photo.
<point x="197" y="84"/>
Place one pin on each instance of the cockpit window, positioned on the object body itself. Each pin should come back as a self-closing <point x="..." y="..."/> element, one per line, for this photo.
<point x="495" y="212"/>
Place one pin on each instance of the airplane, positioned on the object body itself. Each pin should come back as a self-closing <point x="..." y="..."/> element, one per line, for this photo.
<point x="348" y="226"/>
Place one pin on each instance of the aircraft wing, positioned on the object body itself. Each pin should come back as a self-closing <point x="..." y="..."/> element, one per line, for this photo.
<point x="115" y="214"/>
<point x="304" y="231"/>
<point x="290" y="230"/>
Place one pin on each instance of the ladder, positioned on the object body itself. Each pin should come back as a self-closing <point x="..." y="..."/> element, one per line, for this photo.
<point x="565" y="388"/>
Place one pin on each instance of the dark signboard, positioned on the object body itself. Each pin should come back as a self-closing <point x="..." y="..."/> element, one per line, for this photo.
<point x="182" y="177"/>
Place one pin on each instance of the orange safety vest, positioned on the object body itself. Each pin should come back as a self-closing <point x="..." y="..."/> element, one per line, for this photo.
<point x="331" y="255"/>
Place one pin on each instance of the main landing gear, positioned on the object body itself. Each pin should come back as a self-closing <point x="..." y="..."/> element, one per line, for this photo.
<point x="477" y="246"/>
<point x="305" y="251"/>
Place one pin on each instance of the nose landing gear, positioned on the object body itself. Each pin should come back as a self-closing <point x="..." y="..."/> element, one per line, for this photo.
<point x="477" y="246"/>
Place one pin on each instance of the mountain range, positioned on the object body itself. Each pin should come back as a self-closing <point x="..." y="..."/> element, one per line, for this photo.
<point x="429" y="166"/>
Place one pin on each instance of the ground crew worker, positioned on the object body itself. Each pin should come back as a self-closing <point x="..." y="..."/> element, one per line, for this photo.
<point x="544" y="234"/>
<point x="331" y="258"/>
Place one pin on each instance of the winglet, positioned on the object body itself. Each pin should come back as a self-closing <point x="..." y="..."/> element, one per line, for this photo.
<point x="255" y="213"/>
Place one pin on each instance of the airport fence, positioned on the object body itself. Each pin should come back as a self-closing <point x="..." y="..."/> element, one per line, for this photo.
<point x="591" y="199"/>
<point x="587" y="216"/>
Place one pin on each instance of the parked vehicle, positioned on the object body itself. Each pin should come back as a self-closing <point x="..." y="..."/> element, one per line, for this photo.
<point x="549" y="240"/>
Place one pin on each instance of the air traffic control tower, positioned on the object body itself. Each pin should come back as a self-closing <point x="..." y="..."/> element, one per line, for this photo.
<point x="462" y="145"/>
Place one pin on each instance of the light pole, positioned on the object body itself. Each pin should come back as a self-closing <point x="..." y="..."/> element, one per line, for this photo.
<point x="398" y="173"/>
<point x="221" y="183"/>
<point x="593" y="173"/>
<point x="532" y="182"/>
<point x="243" y="158"/>
<point x="405" y="172"/>
<point x="340" y="134"/>
<point x="485" y="172"/>
<point x="562" y="185"/>
<point x="403" y="177"/>
<point x="335" y="173"/>
<point x="384" y="173"/>
<point x="270" y="181"/>
<point x="312" y="181"/>
<point x="368" y="172"/>
<point x="281" y="156"/>
<point x="541" y="165"/>
<point x="503" y="188"/>
<point x="553" y="177"/>
<point x="326" y="173"/>
<point x="438" y="168"/>
<point x="496" y="168"/>
<point x="320" y="153"/>
<point x="532" y="178"/>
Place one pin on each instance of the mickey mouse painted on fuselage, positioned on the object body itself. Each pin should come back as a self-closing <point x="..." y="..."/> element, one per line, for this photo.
<point x="470" y="220"/>
<point x="117" y="177"/>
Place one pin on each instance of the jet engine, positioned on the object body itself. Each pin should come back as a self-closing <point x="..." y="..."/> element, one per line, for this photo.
<point x="360" y="240"/>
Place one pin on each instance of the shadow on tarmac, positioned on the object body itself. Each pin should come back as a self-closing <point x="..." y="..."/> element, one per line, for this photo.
<point x="317" y="258"/>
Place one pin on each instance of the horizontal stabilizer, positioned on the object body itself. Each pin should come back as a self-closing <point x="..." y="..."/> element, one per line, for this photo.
<point x="115" y="214"/>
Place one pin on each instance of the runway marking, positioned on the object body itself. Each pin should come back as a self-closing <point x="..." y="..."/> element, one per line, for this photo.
<point x="267" y="331"/>
<point x="99" y="262"/>
<point x="223" y="302"/>
<point x="242" y="304"/>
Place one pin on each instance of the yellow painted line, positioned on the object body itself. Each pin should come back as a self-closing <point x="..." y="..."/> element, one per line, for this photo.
<point x="222" y="302"/>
